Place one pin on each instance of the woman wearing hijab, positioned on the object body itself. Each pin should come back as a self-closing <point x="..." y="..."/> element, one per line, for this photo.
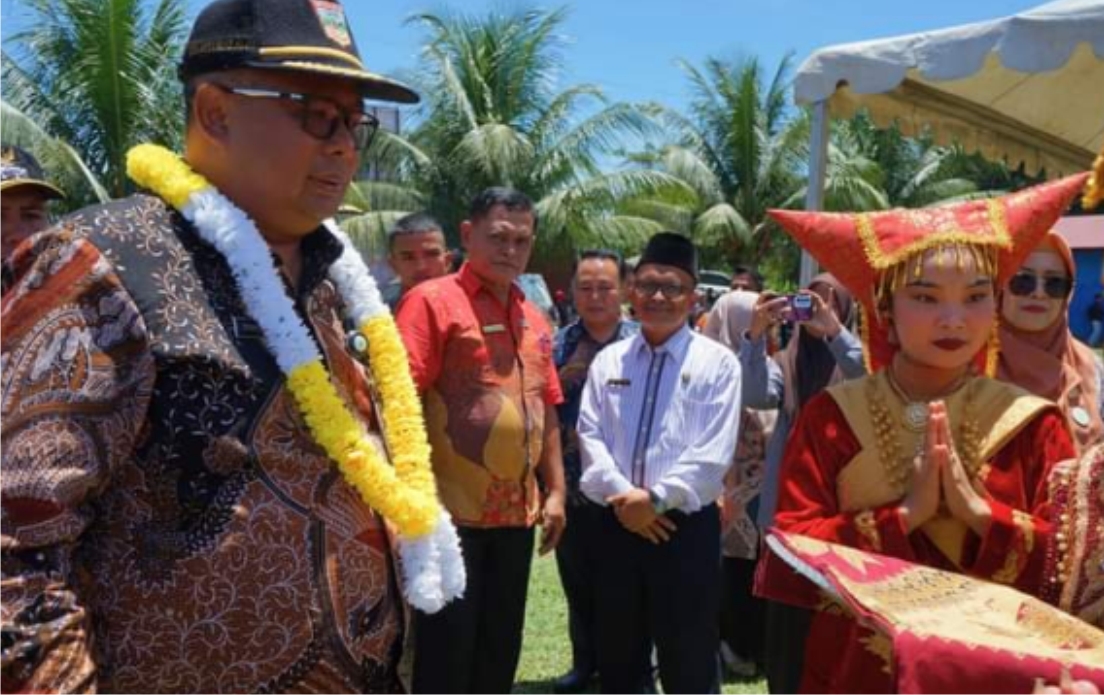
<point x="1038" y="352"/>
<point x="743" y="615"/>
<point x="822" y="352"/>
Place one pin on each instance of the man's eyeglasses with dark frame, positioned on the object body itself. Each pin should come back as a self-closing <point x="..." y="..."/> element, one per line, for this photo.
<point x="314" y="122"/>
<point x="647" y="290"/>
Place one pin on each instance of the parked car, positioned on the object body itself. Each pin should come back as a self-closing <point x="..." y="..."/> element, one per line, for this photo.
<point x="715" y="280"/>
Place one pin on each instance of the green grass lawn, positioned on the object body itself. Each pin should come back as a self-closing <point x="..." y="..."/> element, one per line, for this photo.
<point x="546" y="652"/>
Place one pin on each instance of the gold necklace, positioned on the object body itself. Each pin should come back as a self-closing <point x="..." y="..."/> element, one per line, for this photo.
<point x="899" y="467"/>
<point x="916" y="411"/>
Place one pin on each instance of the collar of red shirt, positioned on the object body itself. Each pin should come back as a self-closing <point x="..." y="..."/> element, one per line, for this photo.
<point x="472" y="285"/>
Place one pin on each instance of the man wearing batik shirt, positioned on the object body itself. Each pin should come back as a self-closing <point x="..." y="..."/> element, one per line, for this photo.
<point x="26" y="194"/>
<point x="170" y="522"/>
<point x="597" y="289"/>
<point x="481" y="355"/>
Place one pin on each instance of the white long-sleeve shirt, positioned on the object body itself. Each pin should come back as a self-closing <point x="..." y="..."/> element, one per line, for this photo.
<point x="663" y="419"/>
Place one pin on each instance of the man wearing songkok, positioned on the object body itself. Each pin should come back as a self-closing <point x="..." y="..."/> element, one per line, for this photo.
<point x="658" y="429"/>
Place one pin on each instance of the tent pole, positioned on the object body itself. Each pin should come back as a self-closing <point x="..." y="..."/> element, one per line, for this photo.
<point x="818" y="165"/>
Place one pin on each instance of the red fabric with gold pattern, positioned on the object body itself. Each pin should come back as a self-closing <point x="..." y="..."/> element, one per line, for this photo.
<point x="858" y="247"/>
<point x="925" y="630"/>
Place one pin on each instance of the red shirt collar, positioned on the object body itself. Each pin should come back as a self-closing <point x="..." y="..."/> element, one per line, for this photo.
<point x="472" y="285"/>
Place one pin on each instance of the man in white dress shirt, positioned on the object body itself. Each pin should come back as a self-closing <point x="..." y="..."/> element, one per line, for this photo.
<point x="658" y="428"/>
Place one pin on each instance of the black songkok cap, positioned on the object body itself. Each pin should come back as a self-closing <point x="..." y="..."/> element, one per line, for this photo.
<point x="669" y="248"/>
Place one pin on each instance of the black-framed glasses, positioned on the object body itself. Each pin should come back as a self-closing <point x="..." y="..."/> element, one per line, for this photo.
<point x="319" y="116"/>
<point x="1055" y="286"/>
<point x="670" y="291"/>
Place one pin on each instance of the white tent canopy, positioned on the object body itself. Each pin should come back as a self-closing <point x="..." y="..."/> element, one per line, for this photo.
<point x="1027" y="88"/>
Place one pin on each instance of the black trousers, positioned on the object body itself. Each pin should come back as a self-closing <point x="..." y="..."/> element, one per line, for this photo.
<point x="787" y="628"/>
<point x="577" y="560"/>
<point x="472" y="645"/>
<point x="743" y="615"/>
<point x="667" y="594"/>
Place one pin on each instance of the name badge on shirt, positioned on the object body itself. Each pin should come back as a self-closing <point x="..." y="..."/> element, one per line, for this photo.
<point x="618" y="382"/>
<point x="494" y="328"/>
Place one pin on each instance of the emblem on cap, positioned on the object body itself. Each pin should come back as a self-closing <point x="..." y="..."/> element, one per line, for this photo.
<point x="332" y="19"/>
<point x="9" y="166"/>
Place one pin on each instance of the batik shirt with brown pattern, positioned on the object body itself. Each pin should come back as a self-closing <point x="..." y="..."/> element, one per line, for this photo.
<point x="168" y="523"/>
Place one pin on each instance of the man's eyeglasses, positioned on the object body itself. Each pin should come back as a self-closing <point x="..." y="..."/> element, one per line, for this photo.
<point x="648" y="289"/>
<point x="1055" y="287"/>
<point x="320" y="116"/>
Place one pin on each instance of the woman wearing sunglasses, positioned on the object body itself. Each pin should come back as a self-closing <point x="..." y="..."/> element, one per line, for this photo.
<point x="1038" y="352"/>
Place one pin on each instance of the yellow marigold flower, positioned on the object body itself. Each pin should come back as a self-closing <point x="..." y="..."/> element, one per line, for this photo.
<point x="158" y="169"/>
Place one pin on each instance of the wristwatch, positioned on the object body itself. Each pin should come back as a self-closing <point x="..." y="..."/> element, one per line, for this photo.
<point x="659" y="505"/>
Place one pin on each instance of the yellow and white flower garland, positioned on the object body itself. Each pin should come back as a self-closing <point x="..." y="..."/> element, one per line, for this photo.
<point x="406" y="494"/>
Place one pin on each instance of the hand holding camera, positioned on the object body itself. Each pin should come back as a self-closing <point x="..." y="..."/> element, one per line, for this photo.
<point x="824" y="323"/>
<point x="771" y="308"/>
<point x="805" y="307"/>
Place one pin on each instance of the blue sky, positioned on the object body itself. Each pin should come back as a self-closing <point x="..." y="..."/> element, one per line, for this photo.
<point x="629" y="48"/>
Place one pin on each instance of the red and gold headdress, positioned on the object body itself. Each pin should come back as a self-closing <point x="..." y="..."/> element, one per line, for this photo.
<point x="869" y="252"/>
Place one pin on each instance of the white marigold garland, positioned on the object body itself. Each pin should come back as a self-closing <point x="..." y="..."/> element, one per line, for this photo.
<point x="406" y="494"/>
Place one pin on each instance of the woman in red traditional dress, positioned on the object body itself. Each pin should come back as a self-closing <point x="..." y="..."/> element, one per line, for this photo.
<point x="1074" y="571"/>
<point x="926" y="459"/>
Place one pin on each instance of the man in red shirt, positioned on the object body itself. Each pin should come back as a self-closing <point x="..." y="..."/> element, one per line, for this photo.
<point x="481" y="355"/>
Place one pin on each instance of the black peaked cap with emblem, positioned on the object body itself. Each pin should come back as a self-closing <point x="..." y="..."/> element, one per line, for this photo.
<point x="309" y="36"/>
<point x="19" y="169"/>
<point x="669" y="248"/>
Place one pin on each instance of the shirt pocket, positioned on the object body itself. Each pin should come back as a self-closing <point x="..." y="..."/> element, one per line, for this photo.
<point x="684" y="422"/>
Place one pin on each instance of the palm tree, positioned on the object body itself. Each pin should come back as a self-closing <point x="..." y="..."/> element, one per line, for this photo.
<point x="737" y="153"/>
<point x="872" y="168"/>
<point x="492" y="116"/>
<point x="913" y="171"/>
<point x="100" y="75"/>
